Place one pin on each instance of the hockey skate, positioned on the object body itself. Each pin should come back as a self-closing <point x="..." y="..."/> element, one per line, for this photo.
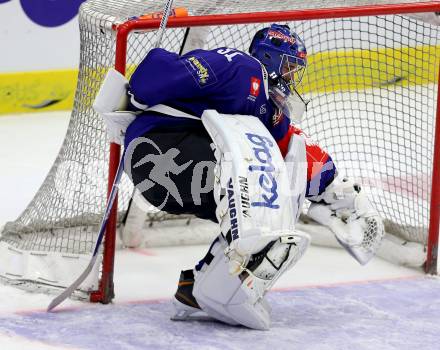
<point x="186" y="307"/>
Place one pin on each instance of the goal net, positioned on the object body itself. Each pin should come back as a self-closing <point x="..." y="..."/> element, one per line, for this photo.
<point x="372" y="81"/>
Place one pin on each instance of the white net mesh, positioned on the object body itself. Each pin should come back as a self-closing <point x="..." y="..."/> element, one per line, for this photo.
<point x="372" y="82"/>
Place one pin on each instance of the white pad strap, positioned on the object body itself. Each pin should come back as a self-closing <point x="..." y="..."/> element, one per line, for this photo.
<point x="282" y="256"/>
<point x="170" y="111"/>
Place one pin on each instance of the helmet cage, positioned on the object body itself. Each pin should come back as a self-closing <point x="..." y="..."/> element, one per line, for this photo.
<point x="292" y="70"/>
<point x="288" y="101"/>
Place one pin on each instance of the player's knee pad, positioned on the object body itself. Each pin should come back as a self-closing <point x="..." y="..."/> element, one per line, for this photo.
<point x="347" y="212"/>
<point x="239" y="298"/>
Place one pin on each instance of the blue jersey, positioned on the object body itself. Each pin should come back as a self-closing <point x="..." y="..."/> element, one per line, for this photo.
<point x="227" y="80"/>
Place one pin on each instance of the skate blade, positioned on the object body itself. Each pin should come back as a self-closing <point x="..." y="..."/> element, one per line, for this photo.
<point x="184" y="312"/>
<point x="195" y="316"/>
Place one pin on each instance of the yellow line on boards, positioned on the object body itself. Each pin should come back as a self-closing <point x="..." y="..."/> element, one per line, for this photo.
<point x="37" y="91"/>
<point x="349" y="70"/>
<point x="327" y="72"/>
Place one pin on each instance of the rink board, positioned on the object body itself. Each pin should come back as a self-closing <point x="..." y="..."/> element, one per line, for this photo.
<point x="395" y="314"/>
<point x="347" y="70"/>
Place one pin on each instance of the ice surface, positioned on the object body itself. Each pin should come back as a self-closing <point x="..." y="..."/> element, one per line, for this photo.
<point x="28" y="147"/>
<point x="399" y="314"/>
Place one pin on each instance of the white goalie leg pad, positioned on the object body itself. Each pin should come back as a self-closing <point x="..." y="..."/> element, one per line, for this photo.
<point x="257" y="214"/>
<point x="252" y="175"/>
<point x="222" y="297"/>
<point x="117" y="123"/>
<point x="239" y="299"/>
<point x="349" y="214"/>
<point x="296" y="163"/>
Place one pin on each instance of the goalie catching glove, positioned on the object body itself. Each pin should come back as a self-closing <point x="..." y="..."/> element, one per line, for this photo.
<point x="346" y="211"/>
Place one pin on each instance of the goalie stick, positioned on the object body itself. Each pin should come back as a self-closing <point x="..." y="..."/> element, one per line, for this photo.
<point x="111" y="198"/>
<point x="163" y="22"/>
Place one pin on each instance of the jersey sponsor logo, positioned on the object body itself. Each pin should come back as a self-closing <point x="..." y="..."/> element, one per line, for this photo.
<point x="200" y="70"/>
<point x="266" y="179"/>
<point x="263" y="109"/>
<point x="255" y="86"/>
<point x="254" y="89"/>
<point x="279" y="35"/>
<point x="232" y="211"/>
<point x="244" y="195"/>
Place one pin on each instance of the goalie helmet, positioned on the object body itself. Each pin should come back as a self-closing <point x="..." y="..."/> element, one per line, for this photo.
<point x="284" y="56"/>
<point x="282" y="52"/>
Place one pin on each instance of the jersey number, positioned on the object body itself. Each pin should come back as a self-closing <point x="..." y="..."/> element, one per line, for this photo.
<point x="229" y="53"/>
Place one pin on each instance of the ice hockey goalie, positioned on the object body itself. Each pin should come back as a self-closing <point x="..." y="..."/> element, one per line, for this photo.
<point x="212" y="133"/>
